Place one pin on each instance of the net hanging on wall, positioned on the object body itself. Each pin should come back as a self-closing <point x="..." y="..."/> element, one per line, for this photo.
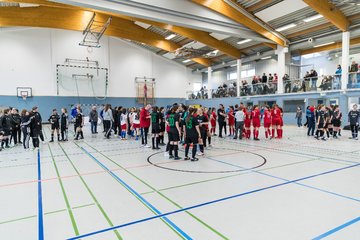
<point x="82" y="81"/>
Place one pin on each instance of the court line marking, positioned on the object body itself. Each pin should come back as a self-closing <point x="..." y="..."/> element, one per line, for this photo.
<point x="161" y="194"/>
<point x="137" y="195"/>
<point x="40" y="206"/>
<point x="284" y="179"/>
<point x="334" y="230"/>
<point x="46" y="213"/>
<point x="214" y="201"/>
<point x="67" y="203"/>
<point x="92" y="194"/>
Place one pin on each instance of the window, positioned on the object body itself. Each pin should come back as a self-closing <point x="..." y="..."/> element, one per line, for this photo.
<point x="232" y="76"/>
<point x="196" y="87"/>
<point x="248" y="73"/>
<point x="244" y="74"/>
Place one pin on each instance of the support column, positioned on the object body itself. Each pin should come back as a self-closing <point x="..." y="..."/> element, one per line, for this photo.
<point x="345" y="60"/>
<point x="281" y="67"/>
<point x="238" y="68"/>
<point x="210" y="83"/>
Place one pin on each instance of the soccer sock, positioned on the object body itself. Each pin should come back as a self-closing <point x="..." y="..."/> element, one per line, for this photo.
<point x="281" y="133"/>
<point x="328" y="134"/>
<point x="52" y="137"/>
<point x="171" y="147"/>
<point x="201" y="148"/>
<point x="82" y="134"/>
<point x="157" y="142"/>
<point x="248" y="133"/>
<point x="209" y="140"/>
<point x="273" y="132"/>
<point x="153" y="142"/>
<point x="194" y="151"/>
<point x="317" y="133"/>
<point x="58" y="137"/>
<point x="278" y="132"/>
<point x="187" y="150"/>
<point x="176" y="148"/>
<point x="254" y="133"/>
<point x="266" y="134"/>
<point x="334" y="133"/>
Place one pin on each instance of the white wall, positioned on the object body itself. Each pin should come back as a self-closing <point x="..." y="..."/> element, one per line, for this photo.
<point x="28" y="58"/>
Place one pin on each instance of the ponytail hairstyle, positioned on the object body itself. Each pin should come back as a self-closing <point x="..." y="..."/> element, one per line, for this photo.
<point x="192" y="111"/>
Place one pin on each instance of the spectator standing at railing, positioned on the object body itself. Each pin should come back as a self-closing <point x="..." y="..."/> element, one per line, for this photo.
<point x="298" y="116"/>
<point x="254" y="83"/>
<point x="307" y="81"/>
<point x="275" y="81"/>
<point x="338" y="73"/>
<point x="314" y="78"/>
<point x="264" y="78"/>
<point x="287" y="83"/>
<point x="354" y="68"/>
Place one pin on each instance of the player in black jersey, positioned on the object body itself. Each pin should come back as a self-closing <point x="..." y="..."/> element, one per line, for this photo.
<point x="35" y="127"/>
<point x="54" y="120"/>
<point x="174" y="132"/>
<point x="155" y="127"/>
<point x="322" y="118"/>
<point x="191" y="133"/>
<point x="64" y="124"/>
<point x="354" y="118"/>
<point x="162" y="126"/>
<point x="337" y="115"/>
<point x="203" y="122"/>
<point x="5" y="128"/>
<point x="79" y="123"/>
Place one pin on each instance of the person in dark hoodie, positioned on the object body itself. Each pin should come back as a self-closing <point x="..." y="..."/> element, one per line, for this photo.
<point x="15" y="122"/>
<point x="35" y="127"/>
<point x="5" y="128"/>
<point x="26" y="120"/>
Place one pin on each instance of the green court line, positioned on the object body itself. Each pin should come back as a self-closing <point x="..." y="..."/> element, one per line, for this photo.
<point x="140" y="200"/>
<point x="82" y="206"/>
<point x="92" y="195"/>
<point x="161" y="194"/>
<point x="71" y="215"/>
<point x="47" y="213"/>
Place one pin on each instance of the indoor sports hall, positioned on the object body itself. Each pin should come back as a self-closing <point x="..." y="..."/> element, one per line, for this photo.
<point x="179" y="119"/>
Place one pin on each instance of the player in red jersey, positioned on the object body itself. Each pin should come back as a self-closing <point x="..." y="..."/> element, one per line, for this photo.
<point x="255" y="115"/>
<point x="247" y="123"/>
<point x="281" y="122"/>
<point x="267" y="121"/>
<point x="276" y="121"/>
<point x="213" y="117"/>
<point x="231" y="121"/>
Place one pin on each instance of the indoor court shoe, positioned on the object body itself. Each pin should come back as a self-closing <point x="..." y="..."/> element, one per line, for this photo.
<point x="147" y="146"/>
<point x="200" y="154"/>
<point x="186" y="158"/>
<point x="157" y="148"/>
<point x="194" y="159"/>
<point x="171" y="156"/>
<point x="177" y="158"/>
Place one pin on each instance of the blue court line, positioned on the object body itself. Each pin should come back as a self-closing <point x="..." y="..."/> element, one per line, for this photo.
<point x="141" y="198"/>
<point x="40" y="207"/>
<point x="213" y="201"/>
<point x="324" y="235"/>
<point x="284" y="179"/>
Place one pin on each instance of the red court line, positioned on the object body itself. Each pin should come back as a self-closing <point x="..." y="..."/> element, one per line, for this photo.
<point x="84" y="174"/>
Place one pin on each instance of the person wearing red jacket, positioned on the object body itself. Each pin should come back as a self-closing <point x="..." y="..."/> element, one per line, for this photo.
<point x="247" y="123"/>
<point x="255" y="115"/>
<point x="267" y="121"/>
<point x="145" y="124"/>
<point x="213" y="117"/>
<point x="276" y="121"/>
<point x="231" y="121"/>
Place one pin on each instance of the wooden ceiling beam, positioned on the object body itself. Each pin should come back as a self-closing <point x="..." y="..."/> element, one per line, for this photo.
<point x="225" y="9"/>
<point x="77" y="20"/>
<point x="330" y="12"/>
<point x="329" y="47"/>
<point x="310" y="30"/>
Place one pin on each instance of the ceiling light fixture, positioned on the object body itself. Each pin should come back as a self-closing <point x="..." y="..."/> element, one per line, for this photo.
<point x="312" y="18"/>
<point x="244" y="41"/>
<point x="171" y="36"/>
<point x="291" y="25"/>
<point x="324" y="44"/>
<point x="265" y="58"/>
